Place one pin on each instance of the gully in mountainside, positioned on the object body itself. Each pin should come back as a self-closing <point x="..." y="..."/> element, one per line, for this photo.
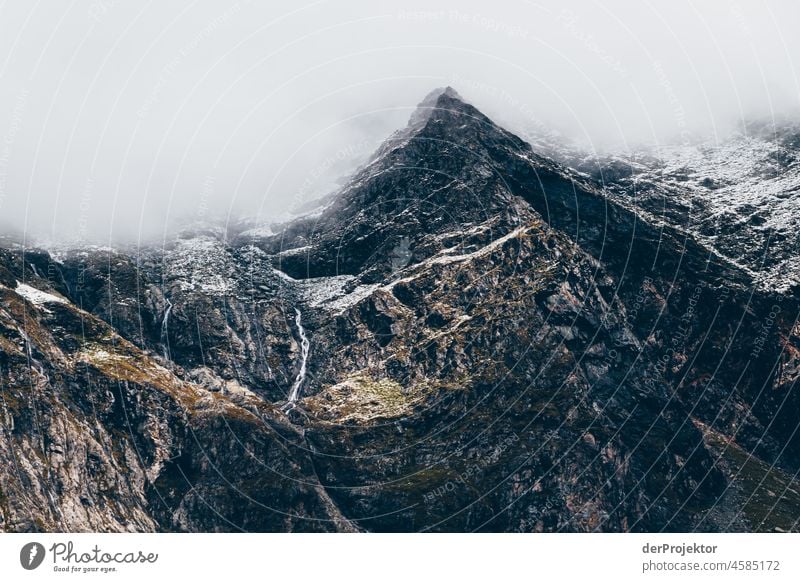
<point x="304" y="346"/>
<point x="165" y="328"/>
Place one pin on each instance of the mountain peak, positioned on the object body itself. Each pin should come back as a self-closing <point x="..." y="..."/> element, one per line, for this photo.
<point x="432" y="97"/>
<point x="441" y="174"/>
<point x="432" y="101"/>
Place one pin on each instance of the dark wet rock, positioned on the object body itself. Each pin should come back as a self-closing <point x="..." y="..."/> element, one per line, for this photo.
<point x="497" y="343"/>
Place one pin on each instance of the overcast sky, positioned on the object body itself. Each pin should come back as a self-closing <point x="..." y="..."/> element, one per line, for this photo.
<point x="119" y="117"/>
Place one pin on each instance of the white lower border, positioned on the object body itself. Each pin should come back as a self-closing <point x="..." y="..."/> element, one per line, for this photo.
<point x="422" y="557"/>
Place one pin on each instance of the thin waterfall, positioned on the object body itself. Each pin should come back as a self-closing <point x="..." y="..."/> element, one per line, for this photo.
<point x="165" y="328"/>
<point x="295" y="392"/>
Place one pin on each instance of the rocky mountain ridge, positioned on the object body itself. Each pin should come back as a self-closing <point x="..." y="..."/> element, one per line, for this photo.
<point x="735" y="193"/>
<point x="469" y="336"/>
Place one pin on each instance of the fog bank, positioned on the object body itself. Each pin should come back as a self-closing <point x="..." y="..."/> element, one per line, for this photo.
<point x="121" y="119"/>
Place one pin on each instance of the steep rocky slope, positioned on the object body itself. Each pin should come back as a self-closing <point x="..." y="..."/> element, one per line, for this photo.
<point x="98" y="435"/>
<point x="469" y="336"/>
<point x="739" y="194"/>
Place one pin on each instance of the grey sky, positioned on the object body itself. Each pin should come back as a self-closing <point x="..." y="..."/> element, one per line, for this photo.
<point x="118" y="117"/>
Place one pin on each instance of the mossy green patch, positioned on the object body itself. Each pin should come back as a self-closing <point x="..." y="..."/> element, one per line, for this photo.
<point x="361" y="398"/>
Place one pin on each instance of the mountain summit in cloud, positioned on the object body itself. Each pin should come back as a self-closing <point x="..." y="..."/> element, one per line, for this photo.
<point x="469" y="336"/>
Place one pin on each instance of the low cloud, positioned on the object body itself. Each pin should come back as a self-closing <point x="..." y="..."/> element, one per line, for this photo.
<point x="118" y="121"/>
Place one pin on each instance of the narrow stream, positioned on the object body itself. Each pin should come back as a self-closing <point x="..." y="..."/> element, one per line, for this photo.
<point x="295" y="392"/>
<point x="165" y="328"/>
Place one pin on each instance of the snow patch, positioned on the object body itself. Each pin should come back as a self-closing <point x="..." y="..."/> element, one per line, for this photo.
<point x="331" y="293"/>
<point x="202" y="263"/>
<point x="295" y="251"/>
<point x="445" y="258"/>
<point x="284" y="276"/>
<point x="344" y="302"/>
<point x="37" y="297"/>
<point x="257" y="233"/>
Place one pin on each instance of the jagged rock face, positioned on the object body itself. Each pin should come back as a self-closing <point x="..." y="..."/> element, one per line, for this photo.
<point x="434" y="177"/>
<point x="738" y="195"/>
<point x="498" y="367"/>
<point x="216" y="313"/>
<point x="98" y="436"/>
<point x="495" y="344"/>
<point x="718" y="222"/>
